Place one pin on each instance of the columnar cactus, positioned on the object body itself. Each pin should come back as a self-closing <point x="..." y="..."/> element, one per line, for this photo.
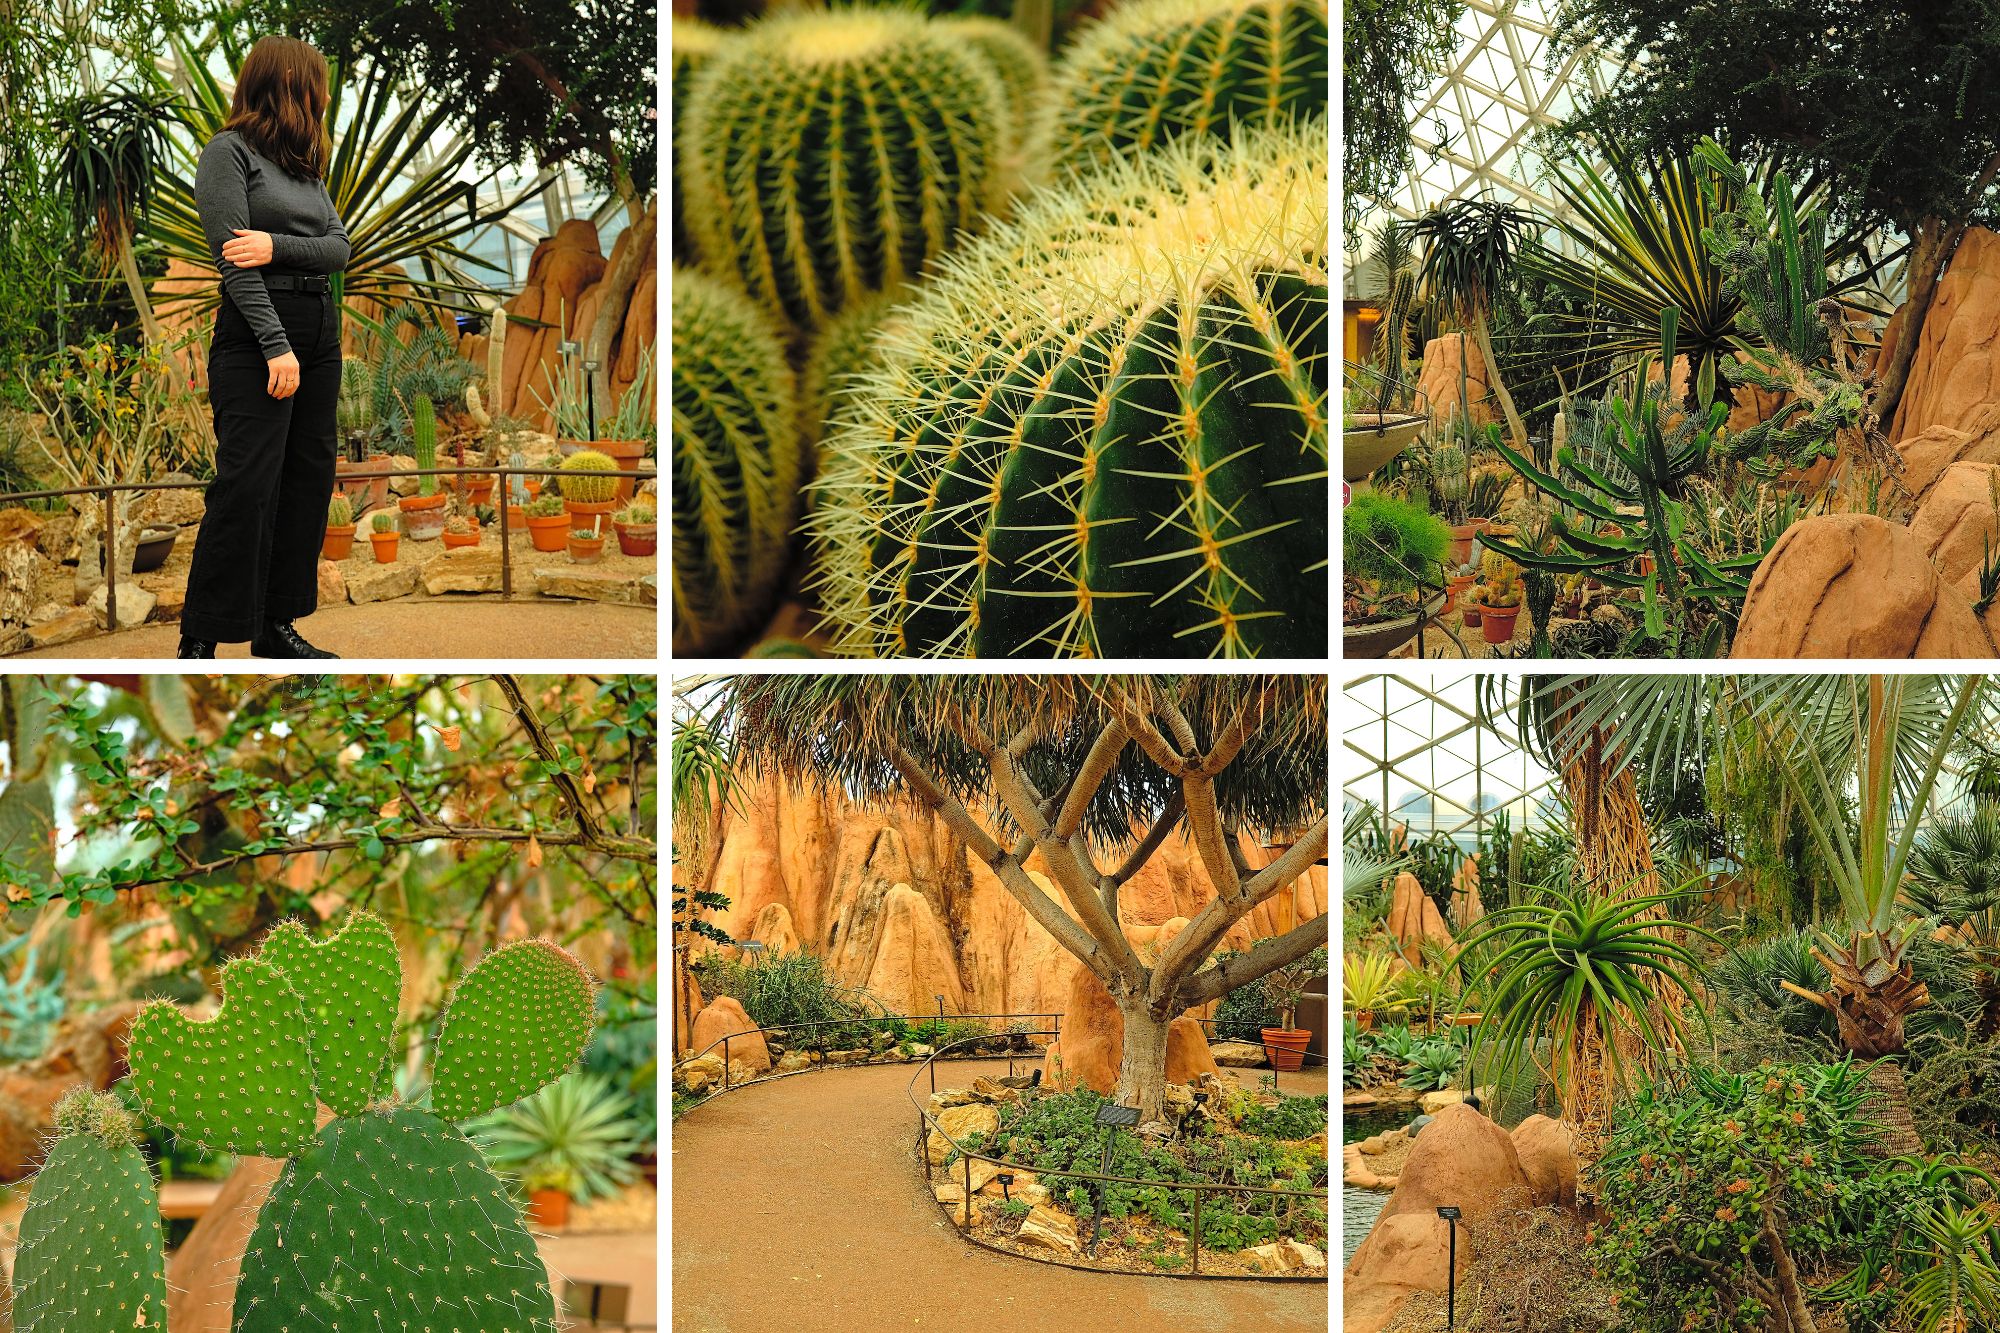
<point x="1156" y="70"/>
<point x="830" y="154"/>
<point x="589" y="478"/>
<point x="693" y="43"/>
<point x="91" y="1256"/>
<point x="736" y="462"/>
<point x="424" y="440"/>
<point x="354" y="410"/>
<point x="388" y="1218"/>
<point x="1102" y="429"/>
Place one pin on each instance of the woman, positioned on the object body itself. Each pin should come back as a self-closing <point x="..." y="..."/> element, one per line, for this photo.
<point x="274" y="363"/>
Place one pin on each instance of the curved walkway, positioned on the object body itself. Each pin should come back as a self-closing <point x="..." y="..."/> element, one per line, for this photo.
<point x="430" y="629"/>
<point x="799" y="1205"/>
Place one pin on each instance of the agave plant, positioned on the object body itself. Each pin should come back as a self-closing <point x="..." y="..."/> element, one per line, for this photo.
<point x="406" y="206"/>
<point x="576" y="1129"/>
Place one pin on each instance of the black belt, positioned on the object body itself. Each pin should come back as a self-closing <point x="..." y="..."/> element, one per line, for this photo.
<point x="298" y="282"/>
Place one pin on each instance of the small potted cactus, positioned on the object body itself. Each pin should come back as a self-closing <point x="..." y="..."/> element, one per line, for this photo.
<point x="638" y="534"/>
<point x="460" y="530"/>
<point x="589" y="485"/>
<point x="548" y="524"/>
<point x="385" y="537"/>
<point x="1499" y="598"/>
<point x="423" y="513"/>
<point x="338" y="543"/>
<point x="586" y="545"/>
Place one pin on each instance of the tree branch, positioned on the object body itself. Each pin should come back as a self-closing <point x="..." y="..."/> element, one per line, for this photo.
<point x="1187" y="950"/>
<point x="1169" y="820"/>
<point x="567" y="787"/>
<point x="1073" y="871"/>
<point x="1268" y="956"/>
<point x="1083" y="787"/>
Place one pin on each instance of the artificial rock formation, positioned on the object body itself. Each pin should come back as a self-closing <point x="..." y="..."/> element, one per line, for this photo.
<point x="1439" y="381"/>
<point x="1927" y="454"/>
<point x="1956" y="521"/>
<point x="1955" y="377"/>
<point x="87" y="1051"/>
<point x="890" y="899"/>
<point x="1093" y="1042"/>
<point x="1415" y="920"/>
<point x="1547" y="1151"/>
<point x="201" y="1280"/>
<point x="1855" y="585"/>
<point x="724" y="1017"/>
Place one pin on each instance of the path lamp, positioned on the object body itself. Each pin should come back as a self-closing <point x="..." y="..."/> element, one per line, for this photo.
<point x="1110" y="1117"/>
<point x="1005" y="1178"/>
<point x="1450" y="1215"/>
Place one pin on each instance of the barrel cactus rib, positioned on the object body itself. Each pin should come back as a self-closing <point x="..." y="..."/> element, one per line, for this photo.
<point x="1101" y="430"/>
<point x="832" y="154"/>
<point x="519" y="1020"/>
<point x="91" y="1257"/>
<point x="348" y="986"/>
<point x="240" y="1082"/>
<point x="692" y="43"/>
<point x="1158" y="70"/>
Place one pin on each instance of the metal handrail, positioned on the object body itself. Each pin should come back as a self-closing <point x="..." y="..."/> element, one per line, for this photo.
<point x="927" y="1124"/>
<point x="110" y="489"/>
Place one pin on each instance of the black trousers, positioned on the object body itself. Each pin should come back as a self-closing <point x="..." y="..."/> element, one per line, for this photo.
<point x="256" y="558"/>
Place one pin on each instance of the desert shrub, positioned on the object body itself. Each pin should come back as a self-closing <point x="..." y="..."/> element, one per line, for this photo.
<point x="795" y="988"/>
<point x="1534" y="1274"/>
<point x="933" y="1032"/>
<point x="1291" y="1118"/>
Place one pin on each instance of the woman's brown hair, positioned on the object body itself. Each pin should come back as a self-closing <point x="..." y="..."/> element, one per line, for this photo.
<point x="280" y="105"/>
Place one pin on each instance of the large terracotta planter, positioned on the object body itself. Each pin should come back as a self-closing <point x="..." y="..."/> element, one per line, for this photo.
<point x="628" y="454"/>
<point x="362" y="483"/>
<point x="581" y="514"/>
<point x="1496" y="623"/>
<point x="338" y="543"/>
<point x="454" y="540"/>
<point x="1285" y="1048"/>
<point x="548" y="1209"/>
<point x="423" y="516"/>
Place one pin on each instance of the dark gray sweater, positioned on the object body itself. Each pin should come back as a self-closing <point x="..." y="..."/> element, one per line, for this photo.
<point x="234" y="187"/>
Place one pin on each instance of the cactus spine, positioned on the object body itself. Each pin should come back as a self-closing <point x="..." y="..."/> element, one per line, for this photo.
<point x="91" y="1256"/>
<point x="589" y="478"/>
<point x="1154" y="71"/>
<point x="736" y="462"/>
<point x="1392" y="339"/>
<point x="354" y="411"/>
<point x="515" y="1024"/>
<point x="1101" y="430"/>
<point x="843" y="352"/>
<point x="827" y="155"/>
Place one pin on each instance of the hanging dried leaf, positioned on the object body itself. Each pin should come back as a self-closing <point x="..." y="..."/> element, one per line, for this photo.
<point x="451" y="737"/>
<point x="391" y="807"/>
<point x="534" y="852"/>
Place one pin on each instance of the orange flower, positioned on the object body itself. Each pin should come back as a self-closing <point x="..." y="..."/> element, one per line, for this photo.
<point x="1726" y="1214"/>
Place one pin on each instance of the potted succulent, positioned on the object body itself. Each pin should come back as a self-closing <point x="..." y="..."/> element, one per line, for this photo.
<point x="1285" y="1045"/>
<point x="338" y="543"/>
<point x="385" y="538"/>
<point x="1393" y="553"/>
<point x="1455" y="586"/>
<point x="573" y="1140"/>
<point x="459" y="530"/>
<point x="638" y="534"/>
<point x="586" y="545"/>
<point x="361" y="461"/>
<point x="423" y="513"/>
<point x="1499" y="598"/>
<point x="547" y="522"/>
<point x="550" y="1190"/>
<point x="589" y="486"/>
<point x="1451" y="483"/>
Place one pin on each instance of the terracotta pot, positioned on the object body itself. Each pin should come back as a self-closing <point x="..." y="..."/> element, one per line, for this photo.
<point x="1364" y="1019"/>
<point x="360" y="482"/>
<point x="423" y="516"/>
<point x="586" y="552"/>
<point x="1471" y="616"/>
<point x="638" y="538"/>
<point x="1454" y="588"/>
<point x="548" y="1209"/>
<point x="628" y="454"/>
<point x="338" y="543"/>
<point x="1285" y="1048"/>
<point x="385" y="546"/>
<point x="577" y="509"/>
<point x="477" y="490"/>
<point x="454" y="540"/>
<point x="517" y="517"/>
<point x="1462" y="535"/>
<point x="548" y="534"/>
<point x="1496" y="623"/>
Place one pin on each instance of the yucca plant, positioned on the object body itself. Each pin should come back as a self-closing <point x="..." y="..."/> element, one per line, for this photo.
<point x="578" y="1128"/>
<point x="1588" y="973"/>
<point x="1367" y="984"/>
<point x="407" y="207"/>
<point x="1955" y="1285"/>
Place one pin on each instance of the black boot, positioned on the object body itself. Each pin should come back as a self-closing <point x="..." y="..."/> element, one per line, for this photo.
<point x="282" y="639"/>
<point x="195" y="648"/>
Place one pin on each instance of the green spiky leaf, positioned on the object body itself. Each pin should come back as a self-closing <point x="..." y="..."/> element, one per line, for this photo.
<point x="516" y="1023"/>
<point x="348" y="986"/>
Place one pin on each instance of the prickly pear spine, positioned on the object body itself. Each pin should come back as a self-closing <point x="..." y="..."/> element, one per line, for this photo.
<point x="828" y="155"/>
<point x="1156" y="70"/>
<point x="1102" y="430"/>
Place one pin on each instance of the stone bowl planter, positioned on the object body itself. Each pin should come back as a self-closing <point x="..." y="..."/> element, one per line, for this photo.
<point x="1383" y="637"/>
<point x="155" y="545"/>
<point x="1371" y="439"/>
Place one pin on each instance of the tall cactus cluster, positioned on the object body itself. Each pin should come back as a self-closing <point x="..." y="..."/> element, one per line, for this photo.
<point x="1102" y="429"/>
<point x="386" y="1218"/>
<point x="424" y="440"/>
<point x="831" y="154"/>
<point x="1157" y="70"/>
<point x="737" y="459"/>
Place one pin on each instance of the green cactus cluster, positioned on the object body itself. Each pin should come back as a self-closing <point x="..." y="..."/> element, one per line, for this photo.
<point x="1023" y="71"/>
<point x="736" y="459"/>
<point x="1101" y="430"/>
<point x="692" y="43"/>
<point x="424" y="440"/>
<point x="589" y="477"/>
<point x="388" y="1217"/>
<point x="843" y="353"/>
<point x="828" y="154"/>
<point x="1158" y="70"/>
<point x="354" y="410"/>
<point x="91" y="1256"/>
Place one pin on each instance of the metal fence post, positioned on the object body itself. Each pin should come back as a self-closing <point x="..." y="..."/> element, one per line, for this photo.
<point x="110" y="559"/>
<point x="725" y="1064"/>
<point x="506" y="553"/>
<point x="1196" y="1255"/>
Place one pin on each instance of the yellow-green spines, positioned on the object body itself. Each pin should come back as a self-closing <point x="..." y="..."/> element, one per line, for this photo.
<point x="843" y="351"/>
<point x="1102" y="429"/>
<point x="589" y="477"/>
<point x="830" y="154"/>
<point x="1158" y="70"/>
<point x="737" y="459"/>
<point x="692" y="43"/>
<point x="516" y="1023"/>
<point x="1023" y="70"/>
<point x="392" y="1220"/>
<point x="91" y="1257"/>
<point x="348" y="987"/>
<point x="240" y="1082"/>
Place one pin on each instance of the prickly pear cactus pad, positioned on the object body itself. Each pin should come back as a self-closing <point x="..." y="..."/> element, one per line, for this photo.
<point x="347" y="986"/>
<point x="1156" y="70"/>
<point x="91" y="1256"/>
<point x="1101" y="430"/>
<point x="519" y="1020"/>
<point x="240" y="1082"/>
<point x="830" y="154"/>
<point x="391" y="1220"/>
